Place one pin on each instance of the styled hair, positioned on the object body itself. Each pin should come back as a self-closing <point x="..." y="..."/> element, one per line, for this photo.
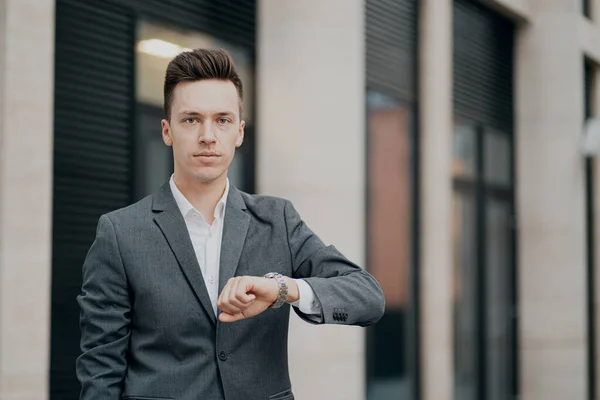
<point x="198" y="65"/>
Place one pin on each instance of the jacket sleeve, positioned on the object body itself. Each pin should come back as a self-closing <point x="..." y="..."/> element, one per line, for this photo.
<point x="348" y="294"/>
<point x="104" y="320"/>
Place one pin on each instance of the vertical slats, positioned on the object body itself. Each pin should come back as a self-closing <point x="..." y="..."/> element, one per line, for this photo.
<point x="391" y="47"/>
<point x="483" y="66"/>
<point x="92" y="157"/>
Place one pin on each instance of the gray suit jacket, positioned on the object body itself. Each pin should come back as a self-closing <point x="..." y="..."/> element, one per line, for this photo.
<point x="148" y="330"/>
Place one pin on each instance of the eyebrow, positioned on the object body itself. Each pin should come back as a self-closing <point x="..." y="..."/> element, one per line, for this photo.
<point x="198" y="114"/>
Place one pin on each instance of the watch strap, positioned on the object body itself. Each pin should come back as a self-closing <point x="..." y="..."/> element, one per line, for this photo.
<point x="283" y="289"/>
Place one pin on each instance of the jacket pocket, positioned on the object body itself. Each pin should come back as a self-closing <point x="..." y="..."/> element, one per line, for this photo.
<point x="285" y="395"/>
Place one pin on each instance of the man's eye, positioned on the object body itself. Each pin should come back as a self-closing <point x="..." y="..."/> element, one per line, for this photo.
<point x="223" y="121"/>
<point x="189" y="120"/>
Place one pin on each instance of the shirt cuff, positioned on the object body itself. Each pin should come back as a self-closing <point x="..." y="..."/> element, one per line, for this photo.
<point x="307" y="302"/>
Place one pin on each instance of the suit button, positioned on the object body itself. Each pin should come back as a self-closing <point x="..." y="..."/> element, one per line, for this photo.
<point x="222" y="356"/>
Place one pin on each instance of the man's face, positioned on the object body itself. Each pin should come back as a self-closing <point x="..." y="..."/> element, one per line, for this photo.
<point x="204" y="129"/>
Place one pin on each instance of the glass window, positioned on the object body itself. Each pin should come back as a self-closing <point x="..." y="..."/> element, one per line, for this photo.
<point x="463" y="162"/>
<point x="465" y="296"/>
<point x="484" y="266"/>
<point x="496" y="157"/>
<point x="389" y="244"/>
<point x="156" y="46"/>
<point x="498" y="298"/>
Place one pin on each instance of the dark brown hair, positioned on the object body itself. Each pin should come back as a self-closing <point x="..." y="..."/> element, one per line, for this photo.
<point x="197" y="65"/>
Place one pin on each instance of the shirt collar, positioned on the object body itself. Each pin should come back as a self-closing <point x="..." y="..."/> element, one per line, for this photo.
<point x="186" y="207"/>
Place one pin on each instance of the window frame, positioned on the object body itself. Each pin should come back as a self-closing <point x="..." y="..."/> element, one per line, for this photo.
<point x="411" y="342"/>
<point x="403" y="85"/>
<point x="482" y="191"/>
<point x="590" y="168"/>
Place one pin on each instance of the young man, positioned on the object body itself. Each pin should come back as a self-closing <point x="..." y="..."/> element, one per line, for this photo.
<point x="186" y="293"/>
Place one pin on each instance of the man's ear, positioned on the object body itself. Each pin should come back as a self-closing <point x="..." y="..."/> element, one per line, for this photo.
<point x="166" y="132"/>
<point x="240" y="138"/>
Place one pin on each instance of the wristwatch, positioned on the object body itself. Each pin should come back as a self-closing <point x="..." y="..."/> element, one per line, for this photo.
<point x="283" y="289"/>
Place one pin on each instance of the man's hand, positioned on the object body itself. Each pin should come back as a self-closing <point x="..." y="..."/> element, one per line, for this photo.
<point x="247" y="296"/>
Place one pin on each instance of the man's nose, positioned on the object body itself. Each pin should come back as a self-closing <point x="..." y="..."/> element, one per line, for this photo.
<point x="207" y="134"/>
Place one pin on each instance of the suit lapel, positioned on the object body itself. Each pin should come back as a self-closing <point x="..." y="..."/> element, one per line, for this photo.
<point x="170" y="221"/>
<point x="234" y="235"/>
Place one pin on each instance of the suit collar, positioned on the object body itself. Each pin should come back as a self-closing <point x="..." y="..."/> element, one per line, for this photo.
<point x="170" y="220"/>
<point x="186" y="207"/>
<point x="164" y="199"/>
<point x="235" y="228"/>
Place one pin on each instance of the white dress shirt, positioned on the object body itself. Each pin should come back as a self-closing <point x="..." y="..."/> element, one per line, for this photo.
<point x="206" y="240"/>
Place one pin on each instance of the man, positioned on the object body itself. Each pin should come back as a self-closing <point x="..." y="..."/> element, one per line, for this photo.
<point x="186" y="294"/>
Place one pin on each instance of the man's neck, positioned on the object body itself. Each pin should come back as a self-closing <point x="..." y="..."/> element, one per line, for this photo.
<point x="203" y="196"/>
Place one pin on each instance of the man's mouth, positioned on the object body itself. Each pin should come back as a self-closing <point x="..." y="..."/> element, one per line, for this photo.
<point x="207" y="154"/>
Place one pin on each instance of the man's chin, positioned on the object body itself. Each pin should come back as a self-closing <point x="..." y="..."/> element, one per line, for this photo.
<point x="207" y="177"/>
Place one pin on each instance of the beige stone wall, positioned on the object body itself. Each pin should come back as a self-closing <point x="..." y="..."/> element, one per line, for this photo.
<point x="311" y="114"/>
<point x="550" y="203"/>
<point x="435" y="72"/>
<point x="26" y="137"/>
<point x="518" y="10"/>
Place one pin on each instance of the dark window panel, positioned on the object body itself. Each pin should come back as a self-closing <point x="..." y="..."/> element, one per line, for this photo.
<point x="389" y="244"/>
<point x="483" y="100"/>
<point x="392" y="197"/>
<point x="464" y="238"/>
<point x="587" y="8"/>
<point x="483" y="66"/>
<point x="590" y="200"/>
<point x="498" y="289"/>
<point x="92" y="158"/>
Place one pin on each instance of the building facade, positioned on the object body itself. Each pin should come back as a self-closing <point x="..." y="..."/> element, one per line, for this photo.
<point x="437" y="143"/>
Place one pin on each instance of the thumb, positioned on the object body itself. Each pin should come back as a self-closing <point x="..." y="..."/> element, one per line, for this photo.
<point x="226" y="317"/>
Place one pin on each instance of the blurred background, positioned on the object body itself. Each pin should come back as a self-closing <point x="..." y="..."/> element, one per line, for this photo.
<point x="435" y="142"/>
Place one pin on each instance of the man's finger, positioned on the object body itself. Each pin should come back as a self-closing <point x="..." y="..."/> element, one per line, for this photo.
<point x="241" y="293"/>
<point x="224" y="292"/>
<point x="224" y="304"/>
<point x="221" y="299"/>
<point x="233" y="294"/>
<point x="226" y="317"/>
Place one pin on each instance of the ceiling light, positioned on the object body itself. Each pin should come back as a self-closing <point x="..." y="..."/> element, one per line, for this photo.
<point x="160" y="48"/>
